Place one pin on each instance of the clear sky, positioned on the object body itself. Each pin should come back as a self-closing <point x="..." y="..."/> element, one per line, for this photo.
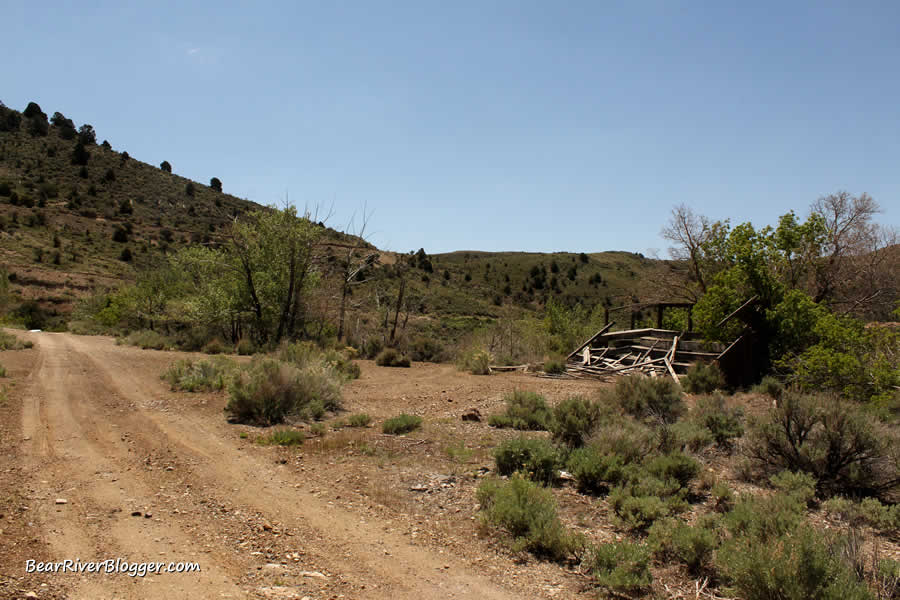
<point x="485" y="125"/>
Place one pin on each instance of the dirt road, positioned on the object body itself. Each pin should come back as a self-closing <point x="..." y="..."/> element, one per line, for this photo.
<point x="114" y="465"/>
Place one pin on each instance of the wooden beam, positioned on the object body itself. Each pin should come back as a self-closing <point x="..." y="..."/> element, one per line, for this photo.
<point x="730" y="346"/>
<point x="737" y="310"/>
<point x="593" y="337"/>
<point x="672" y="371"/>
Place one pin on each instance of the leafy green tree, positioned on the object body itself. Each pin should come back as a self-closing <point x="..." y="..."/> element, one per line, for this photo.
<point x="80" y="155"/>
<point x="38" y="126"/>
<point x="87" y="135"/>
<point x="795" y="273"/>
<point x="264" y="272"/>
<point x="189" y="189"/>
<point x="216" y="184"/>
<point x="9" y="119"/>
<point x="65" y="126"/>
<point x="847" y="358"/>
<point x="120" y="235"/>
<point x="32" y="110"/>
<point x="165" y="166"/>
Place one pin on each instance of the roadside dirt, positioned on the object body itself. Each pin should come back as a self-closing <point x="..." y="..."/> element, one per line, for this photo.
<point x="354" y="514"/>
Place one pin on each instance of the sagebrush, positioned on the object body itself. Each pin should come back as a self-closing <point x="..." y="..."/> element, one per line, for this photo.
<point x="268" y="391"/>
<point x="527" y="513"/>
<point x="527" y="411"/>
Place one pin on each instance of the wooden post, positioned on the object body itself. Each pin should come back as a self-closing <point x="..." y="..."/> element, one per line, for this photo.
<point x="691" y="317"/>
<point x="605" y="315"/>
<point x="659" y="316"/>
<point x="633" y="318"/>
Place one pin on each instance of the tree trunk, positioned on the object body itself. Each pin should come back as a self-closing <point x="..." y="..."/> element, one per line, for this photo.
<point x="397" y="311"/>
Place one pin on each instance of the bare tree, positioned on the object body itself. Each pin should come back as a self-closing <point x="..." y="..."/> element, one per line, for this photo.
<point x="858" y="269"/>
<point x="849" y="230"/>
<point x="358" y="257"/>
<point x="401" y="269"/>
<point x="690" y="233"/>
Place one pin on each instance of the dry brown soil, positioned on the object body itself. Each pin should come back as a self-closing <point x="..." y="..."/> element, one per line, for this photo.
<point x="353" y="514"/>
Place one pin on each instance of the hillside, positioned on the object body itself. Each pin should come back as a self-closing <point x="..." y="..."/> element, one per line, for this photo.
<point x="77" y="217"/>
<point x="67" y="229"/>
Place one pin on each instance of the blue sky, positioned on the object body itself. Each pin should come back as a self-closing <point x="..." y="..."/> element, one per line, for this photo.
<point x="520" y="125"/>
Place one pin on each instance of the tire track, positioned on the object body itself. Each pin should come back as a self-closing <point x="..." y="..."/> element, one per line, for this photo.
<point x="337" y="540"/>
<point x="72" y="455"/>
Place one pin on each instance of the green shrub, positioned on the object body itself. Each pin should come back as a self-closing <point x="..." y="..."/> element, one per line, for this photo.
<point x="800" y="486"/>
<point x="391" y="357"/>
<point x="849" y="359"/>
<point x="653" y="490"/>
<point x="372" y="347"/>
<point x="147" y="340"/>
<point x="245" y="347"/>
<point x="214" y="346"/>
<point x="190" y="375"/>
<point x="10" y="342"/>
<point x="307" y="353"/>
<point x="657" y="398"/>
<point x="722" y="421"/>
<point x="317" y="429"/>
<point x="267" y="391"/>
<point x="703" y="378"/>
<point x="595" y="472"/>
<point x="527" y="512"/>
<point x="298" y="354"/>
<point x="424" y="349"/>
<point x="845" y="449"/>
<point x="476" y="362"/>
<point x="692" y="435"/>
<point x="764" y="519"/>
<point x="772" y="553"/>
<point x="842" y="508"/>
<point x="358" y="420"/>
<point x="537" y="458"/>
<point x="402" y="423"/>
<point x="2" y="371"/>
<point x="889" y="575"/>
<point x="880" y="516"/>
<point x="723" y="497"/>
<point x="342" y="363"/>
<point x="675" y="465"/>
<point x="671" y="539"/>
<point x="621" y="567"/>
<point x="573" y="420"/>
<point x="283" y="437"/>
<point x="769" y="386"/>
<point x="869" y="512"/>
<point x="555" y="366"/>
<point x="627" y="438"/>
<point x="637" y="511"/>
<point x="526" y="411"/>
<point x="803" y="565"/>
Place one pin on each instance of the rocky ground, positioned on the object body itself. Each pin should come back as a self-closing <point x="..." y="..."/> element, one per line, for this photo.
<point x="100" y="460"/>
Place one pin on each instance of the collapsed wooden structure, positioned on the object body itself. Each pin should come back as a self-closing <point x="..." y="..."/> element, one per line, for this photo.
<point x="654" y="352"/>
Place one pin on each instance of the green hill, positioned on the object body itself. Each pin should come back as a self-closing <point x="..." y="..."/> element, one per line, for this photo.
<point x="77" y="217"/>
